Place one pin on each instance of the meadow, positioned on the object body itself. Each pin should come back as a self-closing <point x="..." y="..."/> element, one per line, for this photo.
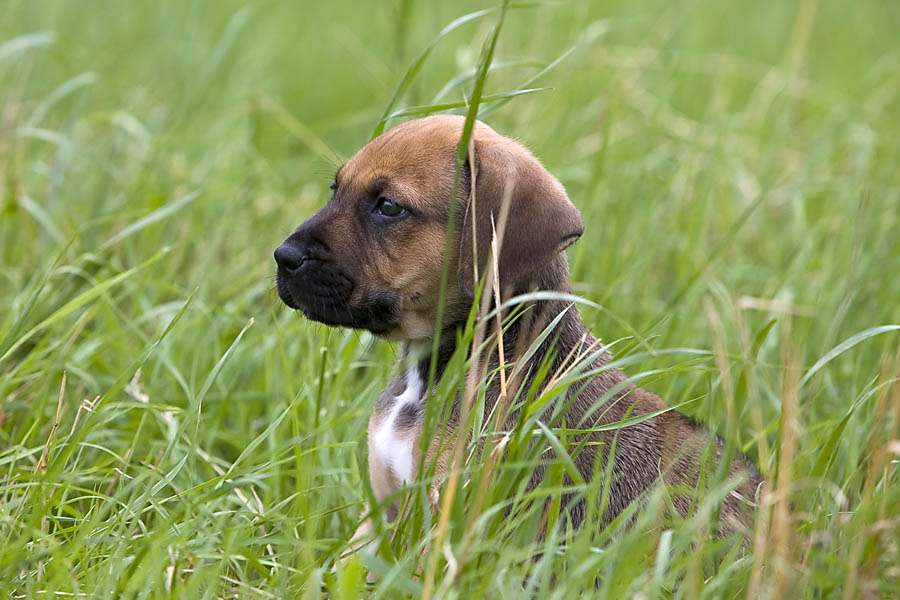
<point x="169" y="429"/>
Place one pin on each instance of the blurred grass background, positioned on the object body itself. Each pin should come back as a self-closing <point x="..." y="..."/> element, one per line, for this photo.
<point x="738" y="168"/>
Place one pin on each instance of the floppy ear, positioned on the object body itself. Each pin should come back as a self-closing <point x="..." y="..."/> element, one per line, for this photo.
<point x="541" y="223"/>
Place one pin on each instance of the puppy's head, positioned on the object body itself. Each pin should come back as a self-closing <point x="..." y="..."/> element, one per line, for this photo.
<point x="372" y="257"/>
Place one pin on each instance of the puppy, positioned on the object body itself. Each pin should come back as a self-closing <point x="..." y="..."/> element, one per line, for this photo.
<point x="372" y="259"/>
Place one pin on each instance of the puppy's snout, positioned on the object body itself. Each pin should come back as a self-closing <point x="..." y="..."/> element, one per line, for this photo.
<point x="298" y="250"/>
<point x="310" y="279"/>
<point x="290" y="257"/>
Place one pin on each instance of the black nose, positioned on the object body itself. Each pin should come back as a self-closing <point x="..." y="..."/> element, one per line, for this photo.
<point x="289" y="257"/>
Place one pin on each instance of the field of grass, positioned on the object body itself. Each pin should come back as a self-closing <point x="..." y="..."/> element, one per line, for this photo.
<point x="168" y="429"/>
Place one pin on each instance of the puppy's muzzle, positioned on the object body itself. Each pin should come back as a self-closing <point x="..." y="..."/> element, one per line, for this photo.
<point x="310" y="281"/>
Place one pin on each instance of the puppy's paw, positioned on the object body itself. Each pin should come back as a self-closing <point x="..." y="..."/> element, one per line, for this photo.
<point x="358" y="543"/>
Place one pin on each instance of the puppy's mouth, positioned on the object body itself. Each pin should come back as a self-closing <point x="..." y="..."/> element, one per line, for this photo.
<point x="325" y="294"/>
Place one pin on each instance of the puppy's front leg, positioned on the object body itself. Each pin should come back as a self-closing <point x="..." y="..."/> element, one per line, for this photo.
<point x="395" y="430"/>
<point x="382" y="487"/>
<point x="393" y="449"/>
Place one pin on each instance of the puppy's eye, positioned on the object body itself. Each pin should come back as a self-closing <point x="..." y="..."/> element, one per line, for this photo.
<point x="388" y="208"/>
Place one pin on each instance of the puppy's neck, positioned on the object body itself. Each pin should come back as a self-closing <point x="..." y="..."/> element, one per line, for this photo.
<point x="568" y="334"/>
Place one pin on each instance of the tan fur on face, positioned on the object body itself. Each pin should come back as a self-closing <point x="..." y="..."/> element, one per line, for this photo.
<point x="398" y="264"/>
<point x="416" y="279"/>
<point x="415" y="162"/>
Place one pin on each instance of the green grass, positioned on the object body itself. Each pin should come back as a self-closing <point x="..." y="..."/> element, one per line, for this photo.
<point x="738" y="168"/>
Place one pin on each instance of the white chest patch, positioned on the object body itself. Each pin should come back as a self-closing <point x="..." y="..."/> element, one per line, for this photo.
<point x="395" y="448"/>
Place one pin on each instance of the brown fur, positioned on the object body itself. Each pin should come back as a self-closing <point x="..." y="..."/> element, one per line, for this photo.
<point x="393" y="269"/>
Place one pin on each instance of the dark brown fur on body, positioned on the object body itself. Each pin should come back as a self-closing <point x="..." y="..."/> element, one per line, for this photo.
<point x="667" y="446"/>
<point x="353" y="265"/>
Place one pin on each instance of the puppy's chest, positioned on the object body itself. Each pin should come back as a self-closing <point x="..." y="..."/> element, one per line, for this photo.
<point x="396" y="425"/>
